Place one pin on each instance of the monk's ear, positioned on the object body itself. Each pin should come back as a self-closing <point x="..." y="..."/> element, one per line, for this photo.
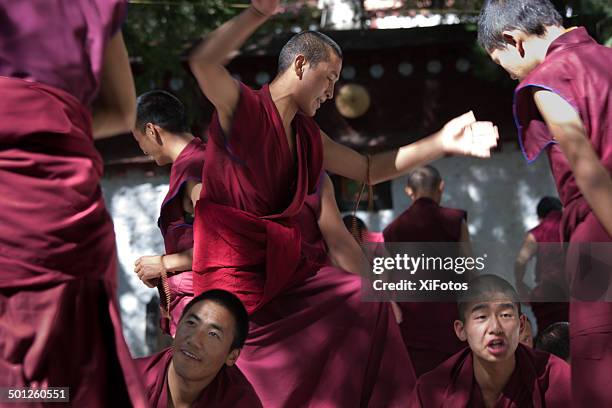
<point x="409" y="192"/>
<point x="441" y="186"/>
<point x="515" y="38"/>
<point x="522" y="323"/>
<point x="460" y="330"/>
<point x="232" y="357"/>
<point x="299" y="65"/>
<point x="158" y="132"/>
<point x="149" y="131"/>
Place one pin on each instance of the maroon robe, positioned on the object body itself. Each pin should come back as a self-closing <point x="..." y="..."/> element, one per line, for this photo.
<point x="60" y="321"/>
<point x="177" y="229"/>
<point x="549" y="272"/>
<point x="429" y="341"/>
<point x="318" y="345"/>
<point x="229" y="388"/>
<point x="312" y="342"/>
<point x="252" y="189"/>
<point x="577" y="69"/>
<point x="426" y="221"/>
<point x="539" y="380"/>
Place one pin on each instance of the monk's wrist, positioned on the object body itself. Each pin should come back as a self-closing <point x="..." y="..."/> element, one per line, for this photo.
<point x="164" y="264"/>
<point x="438" y="142"/>
<point x="254" y="10"/>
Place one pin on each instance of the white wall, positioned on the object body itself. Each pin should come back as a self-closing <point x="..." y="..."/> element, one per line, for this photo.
<point x="133" y="199"/>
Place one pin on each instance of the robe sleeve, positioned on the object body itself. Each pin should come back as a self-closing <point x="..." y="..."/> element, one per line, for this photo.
<point x="534" y="135"/>
<point x="247" y="127"/>
<point x="119" y="16"/>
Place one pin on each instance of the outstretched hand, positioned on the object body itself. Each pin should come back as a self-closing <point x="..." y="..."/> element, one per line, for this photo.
<point x="465" y="136"/>
<point x="265" y="7"/>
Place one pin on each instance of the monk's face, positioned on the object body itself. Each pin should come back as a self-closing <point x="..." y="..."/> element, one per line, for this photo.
<point x="491" y="328"/>
<point x="203" y="341"/>
<point x="517" y="62"/>
<point x="150" y="142"/>
<point x="315" y="84"/>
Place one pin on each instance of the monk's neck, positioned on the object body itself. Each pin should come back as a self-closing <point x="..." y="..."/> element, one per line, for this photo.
<point x="283" y="100"/>
<point x="177" y="144"/>
<point x="432" y="196"/>
<point x="493" y="377"/>
<point x="539" y="45"/>
<point x="182" y="392"/>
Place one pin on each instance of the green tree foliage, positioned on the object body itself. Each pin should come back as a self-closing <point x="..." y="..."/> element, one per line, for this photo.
<point x="158" y="32"/>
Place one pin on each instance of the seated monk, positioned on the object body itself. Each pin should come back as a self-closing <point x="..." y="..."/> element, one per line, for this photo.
<point x="198" y="370"/>
<point x="495" y="370"/>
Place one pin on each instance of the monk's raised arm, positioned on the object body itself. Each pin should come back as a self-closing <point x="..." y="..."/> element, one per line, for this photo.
<point x="460" y="136"/>
<point x="208" y="58"/>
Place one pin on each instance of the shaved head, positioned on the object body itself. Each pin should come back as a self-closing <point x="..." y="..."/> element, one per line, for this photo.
<point x="314" y="46"/>
<point x="424" y="179"/>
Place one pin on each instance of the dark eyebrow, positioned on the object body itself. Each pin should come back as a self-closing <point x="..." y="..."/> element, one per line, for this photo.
<point x="506" y="306"/>
<point x="213" y="325"/>
<point x="479" y="307"/>
<point x="216" y="327"/>
<point x="193" y="316"/>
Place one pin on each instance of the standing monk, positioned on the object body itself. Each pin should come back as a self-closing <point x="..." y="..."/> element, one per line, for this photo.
<point x="563" y="106"/>
<point x="60" y="318"/>
<point x="276" y="122"/>
<point x="162" y="132"/>
<point x="429" y="340"/>
<point x="264" y="156"/>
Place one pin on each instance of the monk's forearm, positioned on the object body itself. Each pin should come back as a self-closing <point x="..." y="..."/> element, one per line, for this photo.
<point x="108" y="121"/>
<point x="229" y="37"/>
<point x="389" y="165"/>
<point x="520" y="268"/>
<point x="178" y="262"/>
<point x="350" y="257"/>
<point x="114" y="111"/>
<point x="567" y="128"/>
<point x="596" y="185"/>
<point x="592" y="177"/>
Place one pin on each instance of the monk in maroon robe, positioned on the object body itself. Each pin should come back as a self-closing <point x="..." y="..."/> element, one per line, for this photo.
<point x="162" y="132"/>
<point x="544" y="243"/>
<point x="60" y="317"/>
<point x="562" y="105"/>
<point x="429" y="341"/>
<point x="265" y="155"/>
<point x="199" y="369"/>
<point x="494" y="370"/>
